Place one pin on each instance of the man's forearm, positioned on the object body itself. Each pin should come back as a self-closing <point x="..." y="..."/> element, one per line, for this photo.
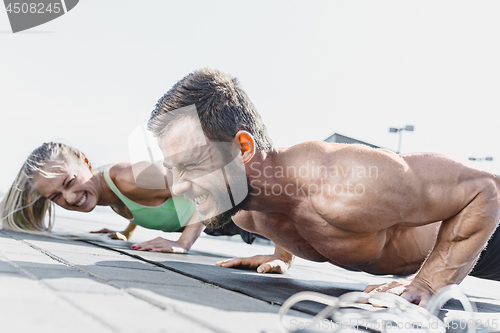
<point x="284" y="255"/>
<point x="460" y="241"/>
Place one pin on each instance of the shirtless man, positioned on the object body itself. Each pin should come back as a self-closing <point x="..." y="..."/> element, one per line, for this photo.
<point x="351" y="205"/>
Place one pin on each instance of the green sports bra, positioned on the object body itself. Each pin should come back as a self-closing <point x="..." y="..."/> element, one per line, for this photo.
<point x="165" y="217"/>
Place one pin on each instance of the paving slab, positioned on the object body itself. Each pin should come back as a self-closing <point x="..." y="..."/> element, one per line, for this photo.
<point x="29" y="306"/>
<point x="103" y="294"/>
<point x="126" y="313"/>
<point x="5" y="267"/>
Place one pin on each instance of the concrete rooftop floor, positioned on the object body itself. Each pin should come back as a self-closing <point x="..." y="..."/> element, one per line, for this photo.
<point x="65" y="285"/>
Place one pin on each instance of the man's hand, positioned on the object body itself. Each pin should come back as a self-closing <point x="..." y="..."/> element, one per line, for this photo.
<point x="263" y="263"/>
<point x="414" y="291"/>
<point x="111" y="234"/>
<point x="279" y="262"/>
<point x="161" y="245"/>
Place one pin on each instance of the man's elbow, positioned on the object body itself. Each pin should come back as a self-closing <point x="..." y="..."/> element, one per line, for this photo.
<point x="490" y="195"/>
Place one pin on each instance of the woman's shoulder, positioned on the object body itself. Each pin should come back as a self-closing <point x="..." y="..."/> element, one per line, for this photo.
<point x="122" y="176"/>
<point x="139" y="181"/>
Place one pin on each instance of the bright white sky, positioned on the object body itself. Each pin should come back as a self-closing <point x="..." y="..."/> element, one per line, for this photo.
<point x="312" y="68"/>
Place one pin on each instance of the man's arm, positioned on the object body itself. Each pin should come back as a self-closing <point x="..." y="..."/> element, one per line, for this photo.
<point x="279" y="262"/>
<point x="460" y="241"/>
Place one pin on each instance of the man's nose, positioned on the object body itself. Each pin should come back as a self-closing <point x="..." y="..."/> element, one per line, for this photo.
<point x="180" y="187"/>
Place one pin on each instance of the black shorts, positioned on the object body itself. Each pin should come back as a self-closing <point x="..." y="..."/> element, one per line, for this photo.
<point x="230" y="229"/>
<point x="488" y="265"/>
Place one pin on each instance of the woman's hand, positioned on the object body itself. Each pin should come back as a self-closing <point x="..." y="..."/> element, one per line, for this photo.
<point x="161" y="245"/>
<point x="121" y="235"/>
<point x="111" y="234"/>
<point x="190" y="234"/>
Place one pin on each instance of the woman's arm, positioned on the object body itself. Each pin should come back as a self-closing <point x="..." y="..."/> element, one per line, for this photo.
<point x="191" y="232"/>
<point x="122" y="235"/>
<point x="129" y="230"/>
<point x="189" y="235"/>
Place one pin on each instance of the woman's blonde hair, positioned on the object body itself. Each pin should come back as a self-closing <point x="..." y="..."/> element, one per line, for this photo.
<point x="23" y="208"/>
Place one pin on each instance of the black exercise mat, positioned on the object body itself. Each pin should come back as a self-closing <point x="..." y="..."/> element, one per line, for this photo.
<point x="272" y="288"/>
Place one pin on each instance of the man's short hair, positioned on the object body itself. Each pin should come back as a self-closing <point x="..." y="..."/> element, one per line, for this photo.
<point x="223" y="107"/>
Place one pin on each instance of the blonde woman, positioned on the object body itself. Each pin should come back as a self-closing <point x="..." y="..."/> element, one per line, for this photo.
<point x="56" y="173"/>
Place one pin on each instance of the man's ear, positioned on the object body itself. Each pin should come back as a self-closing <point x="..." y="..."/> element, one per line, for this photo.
<point x="246" y="144"/>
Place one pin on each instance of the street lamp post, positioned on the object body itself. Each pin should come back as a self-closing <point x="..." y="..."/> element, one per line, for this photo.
<point x="409" y="128"/>
<point x="489" y="158"/>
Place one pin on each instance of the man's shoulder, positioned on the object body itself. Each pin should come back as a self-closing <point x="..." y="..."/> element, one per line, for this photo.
<point x="329" y="152"/>
<point x="446" y="166"/>
<point x="314" y="146"/>
<point x="307" y="151"/>
<point x="333" y="147"/>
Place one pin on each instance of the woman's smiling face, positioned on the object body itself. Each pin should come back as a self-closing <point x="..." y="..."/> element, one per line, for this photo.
<point x="73" y="186"/>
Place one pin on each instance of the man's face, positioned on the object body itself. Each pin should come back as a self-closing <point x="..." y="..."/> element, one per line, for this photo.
<point x="211" y="174"/>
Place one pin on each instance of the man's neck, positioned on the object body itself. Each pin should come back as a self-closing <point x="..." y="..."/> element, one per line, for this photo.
<point x="264" y="173"/>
